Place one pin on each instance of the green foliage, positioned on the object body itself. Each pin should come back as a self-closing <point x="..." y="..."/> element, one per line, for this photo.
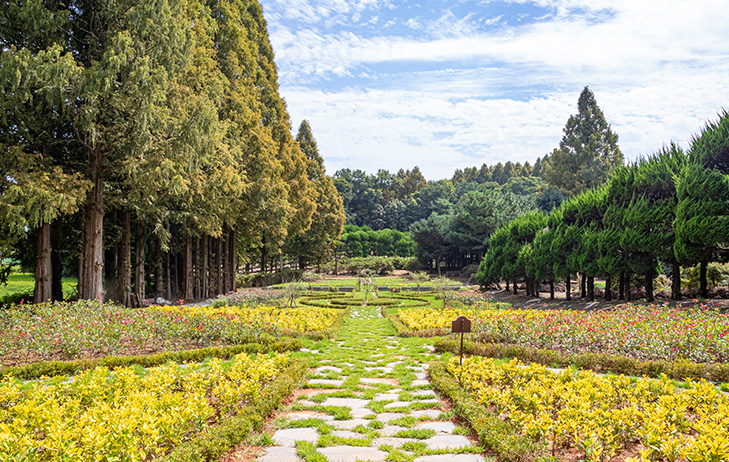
<point x="588" y="152"/>
<point x="214" y="442"/>
<point x="362" y="241"/>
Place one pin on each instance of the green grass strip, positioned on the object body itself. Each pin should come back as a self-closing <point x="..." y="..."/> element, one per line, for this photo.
<point x="53" y="368"/>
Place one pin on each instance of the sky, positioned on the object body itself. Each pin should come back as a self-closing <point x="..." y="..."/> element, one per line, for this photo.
<point x="445" y="85"/>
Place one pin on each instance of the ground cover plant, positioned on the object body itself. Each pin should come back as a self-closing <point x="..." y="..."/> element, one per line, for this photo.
<point x="601" y="416"/>
<point x="277" y="319"/>
<point x="89" y="329"/>
<point x="131" y="413"/>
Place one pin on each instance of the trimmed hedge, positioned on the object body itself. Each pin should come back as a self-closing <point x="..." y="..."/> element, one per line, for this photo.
<point x="493" y="433"/>
<point x="214" y="442"/>
<point x="51" y="368"/>
<point x="598" y="362"/>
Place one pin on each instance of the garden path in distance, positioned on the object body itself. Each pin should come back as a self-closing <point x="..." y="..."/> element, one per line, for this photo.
<point x="368" y="399"/>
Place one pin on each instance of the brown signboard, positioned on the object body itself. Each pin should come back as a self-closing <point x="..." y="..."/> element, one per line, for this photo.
<point x="460" y="325"/>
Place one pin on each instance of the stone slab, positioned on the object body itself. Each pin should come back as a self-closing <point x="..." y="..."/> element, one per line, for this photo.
<point x="447" y="442"/>
<point x="352" y="403"/>
<point x="349" y="424"/>
<point x="301" y="415"/>
<point x="280" y="454"/>
<point x="321" y="369"/>
<point x="360" y="413"/>
<point x="290" y="436"/>
<point x="379" y="381"/>
<point x="393" y="442"/>
<point x="429" y="413"/>
<point x="451" y="458"/>
<point x="386" y="397"/>
<point x="336" y="383"/>
<point x="419" y="383"/>
<point x="385" y="417"/>
<point x="348" y="434"/>
<point x="423" y="393"/>
<point x="352" y="453"/>
<point x="438" y="427"/>
<point x="391" y="430"/>
<point x="397" y="404"/>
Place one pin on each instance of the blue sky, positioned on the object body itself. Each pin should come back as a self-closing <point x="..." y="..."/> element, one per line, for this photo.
<point x="452" y="84"/>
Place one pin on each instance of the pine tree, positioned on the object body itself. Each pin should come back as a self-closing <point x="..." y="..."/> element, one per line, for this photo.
<point x="588" y="152"/>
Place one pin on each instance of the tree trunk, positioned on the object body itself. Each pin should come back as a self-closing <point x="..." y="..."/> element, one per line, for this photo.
<point x="507" y="285"/>
<point x="649" y="286"/>
<point x="608" y="288"/>
<point x="281" y="264"/>
<point x="621" y="289"/>
<point x="175" y="276"/>
<point x="91" y="281"/>
<point x="168" y="270"/>
<point x="205" y="293"/>
<point x="187" y="284"/>
<point x="703" y="283"/>
<point x="590" y="288"/>
<point x="43" y="269"/>
<point x="583" y="285"/>
<point x="568" y="288"/>
<point x="159" y="279"/>
<point x="536" y="287"/>
<point x="233" y="260"/>
<point x="218" y="266"/>
<point x="139" y="272"/>
<point x="514" y="286"/>
<point x="56" y="259"/>
<point x="551" y="289"/>
<point x="125" y="273"/>
<point x="676" y="281"/>
<point x="627" y="286"/>
<point x="197" y="270"/>
<point x="528" y="286"/>
<point x="263" y="254"/>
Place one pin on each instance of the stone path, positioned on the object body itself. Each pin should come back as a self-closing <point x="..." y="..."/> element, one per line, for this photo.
<point x="368" y="399"/>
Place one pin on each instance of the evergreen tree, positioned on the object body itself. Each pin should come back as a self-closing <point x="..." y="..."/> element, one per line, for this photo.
<point x="327" y="223"/>
<point x="588" y="152"/>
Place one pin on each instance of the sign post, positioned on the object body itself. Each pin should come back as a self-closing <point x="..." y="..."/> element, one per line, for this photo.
<point x="462" y="324"/>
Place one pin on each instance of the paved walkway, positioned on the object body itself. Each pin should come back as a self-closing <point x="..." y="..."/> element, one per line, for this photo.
<point x="369" y="399"/>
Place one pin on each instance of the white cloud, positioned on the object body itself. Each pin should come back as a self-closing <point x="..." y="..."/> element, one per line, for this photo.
<point x="504" y="93"/>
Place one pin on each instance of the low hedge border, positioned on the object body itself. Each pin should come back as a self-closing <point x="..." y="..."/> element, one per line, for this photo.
<point x="214" y="442"/>
<point x="403" y="331"/>
<point x="598" y="362"/>
<point x="51" y="368"/>
<point x="493" y="433"/>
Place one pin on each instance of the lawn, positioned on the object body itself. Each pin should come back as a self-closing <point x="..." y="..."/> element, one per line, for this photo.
<point x="25" y="283"/>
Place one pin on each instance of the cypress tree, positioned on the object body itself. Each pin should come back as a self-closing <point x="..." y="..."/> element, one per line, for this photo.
<point x="588" y="152"/>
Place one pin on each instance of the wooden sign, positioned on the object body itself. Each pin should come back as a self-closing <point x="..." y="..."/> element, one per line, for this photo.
<point x="460" y="325"/>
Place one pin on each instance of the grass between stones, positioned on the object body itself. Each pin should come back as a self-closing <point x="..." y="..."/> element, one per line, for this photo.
<point x="373" y="402"/>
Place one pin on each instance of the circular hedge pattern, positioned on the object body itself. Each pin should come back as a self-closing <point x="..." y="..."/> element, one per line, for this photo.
<point x="337" y="300"/>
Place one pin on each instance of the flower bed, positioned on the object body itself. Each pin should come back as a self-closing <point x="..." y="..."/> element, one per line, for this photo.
<point x="654" y="332"/>
<point x="602" y="416"/>
<point x="125" y="414"/>
<point x="89" y="329"/>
